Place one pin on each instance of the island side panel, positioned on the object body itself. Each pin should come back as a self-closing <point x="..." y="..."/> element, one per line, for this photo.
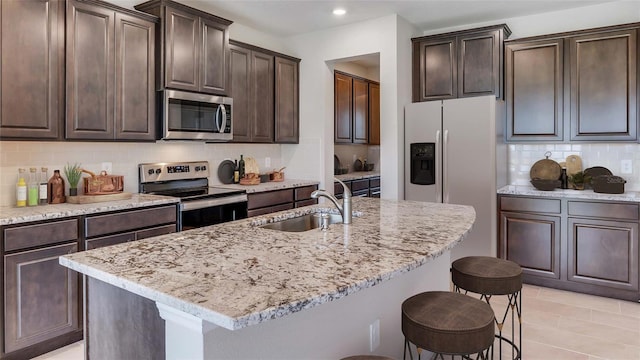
<point x="121" y="325"/>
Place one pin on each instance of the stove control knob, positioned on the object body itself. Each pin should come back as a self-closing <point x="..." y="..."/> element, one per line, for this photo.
<point x="203" y="167"/>
<point x="150" y="171"/>
<point x="197" y="168"/>
<point x="158" y="171"/>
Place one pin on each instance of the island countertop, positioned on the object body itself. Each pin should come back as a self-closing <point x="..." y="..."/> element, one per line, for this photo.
<point x="237" y="274"/>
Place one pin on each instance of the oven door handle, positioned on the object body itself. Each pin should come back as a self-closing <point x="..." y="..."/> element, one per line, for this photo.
<point x="221" y="118"/>
<point x="205" y="203"/>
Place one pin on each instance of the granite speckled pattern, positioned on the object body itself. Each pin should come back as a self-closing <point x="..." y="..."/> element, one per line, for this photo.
<point x="628" y="196"/>
<point x="270" y="186"/>
<point x="357" y="175"/>
<point x="13" y="215"/>
<point x="237" y="274"/>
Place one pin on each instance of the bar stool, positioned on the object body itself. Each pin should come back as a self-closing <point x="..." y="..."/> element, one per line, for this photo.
<point x="447" y="323"/>
<point x="489" y="276"/>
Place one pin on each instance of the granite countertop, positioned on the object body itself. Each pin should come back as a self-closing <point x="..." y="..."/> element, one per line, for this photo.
<point x="357" y="175"/>
<point x="237" y="274"/>
<point x="527" y="190"/>
<point x="269" y="186"/>
<point x="13" y="215"/>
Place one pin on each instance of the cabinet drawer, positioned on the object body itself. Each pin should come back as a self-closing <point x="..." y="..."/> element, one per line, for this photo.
<point x="338" y="189"/>
<point x="269" y="198"/>
<point x="130" y="220"/>
<point x="357" y="185"/>
<point x="603" y="210"/>
<point x="270" y="209"/>
<point x="304" y="193"/>
<point x="374" y="182"/>
<point x="306" y="202"/>
<point x="156" y="231"/>
<point x="23" y="237"/>
<point x="551" y="206"/>
<point x="109" y="240"/>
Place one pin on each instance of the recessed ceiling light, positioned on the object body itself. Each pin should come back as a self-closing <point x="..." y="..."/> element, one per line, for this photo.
<point x="339" y="11"/>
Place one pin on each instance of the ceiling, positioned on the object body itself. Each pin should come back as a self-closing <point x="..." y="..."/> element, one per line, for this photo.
<point x="283" y="18"/>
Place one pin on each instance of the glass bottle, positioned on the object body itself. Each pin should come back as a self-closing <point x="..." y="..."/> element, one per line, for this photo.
<point x="42" y="189"/>
<point x="21" y="190"/>
<point x="564" y="180"/>
<point x="55" y="192"/>
<point x="32" y="187"/>
<point x="241" y="167"/>
<point x="236" y="173"/>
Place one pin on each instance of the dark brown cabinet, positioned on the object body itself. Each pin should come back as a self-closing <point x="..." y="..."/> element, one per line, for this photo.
<point x="459" y="64"/>
<point x="287" y="97"/>
<point x="110" y="72"/>
<point x="252" y="90"/>
<point x="534" y="90"/>
<point x="267" y="202"/>
<point x="353" y="108"/>
<point x="369" y="187"/>
<point x="576" y="86"/>
<point x="576" y="245"/>
<point x="41" y="298"/>
<point x="32" y="69"/>
<point x="194" y="48"/>
<point x="374" y="113"/>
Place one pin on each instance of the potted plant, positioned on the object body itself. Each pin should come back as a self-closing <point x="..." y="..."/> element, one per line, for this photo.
<point x="73" y="174"/>
<point x="579" y="179"/>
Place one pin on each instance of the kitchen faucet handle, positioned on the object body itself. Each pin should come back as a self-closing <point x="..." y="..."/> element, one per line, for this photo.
<point x="346" y="190"/>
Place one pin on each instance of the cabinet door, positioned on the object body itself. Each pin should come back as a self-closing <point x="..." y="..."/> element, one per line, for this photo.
<point x="479" y="64"/>
<point x="374" y="113"/>
<point x="287" y="116"/>
<point x="135" y="84"/>
<point x="532" y="241"/>
<point x="435" y="62"/>
<point x="604" y="86"/>
<point x="30" y="95"/>
<point x="182" y="37"/>
<point x="360" y="111"/>
<point x="534" y="90"/>
<point x="342" y="104"/>
<point x="240" y="70"/>
<point x="214" y="57"/>
<point x="41" y="297"/>
<point x="603" y="253"/>
<point x="262" y="97"/>
<point x="90" y="71"/>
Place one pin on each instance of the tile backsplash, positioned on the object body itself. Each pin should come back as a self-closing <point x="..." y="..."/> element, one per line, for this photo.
<point x="347" y="154"/>
<point x="124" y="157"/>
<point x="522" y="156"/>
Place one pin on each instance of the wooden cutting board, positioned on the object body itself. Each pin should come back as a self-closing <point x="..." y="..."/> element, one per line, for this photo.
<point x="89" y="199"/>
<point x="574" y="164"/>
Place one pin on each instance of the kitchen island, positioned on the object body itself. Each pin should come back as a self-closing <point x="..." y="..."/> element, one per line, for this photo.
<point x="237" y="290"/>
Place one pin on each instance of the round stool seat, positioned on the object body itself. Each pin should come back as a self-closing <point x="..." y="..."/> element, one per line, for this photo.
<point x="487" y="275"/>
<point x="448" y="322"/>
<point x="367" y="357"/>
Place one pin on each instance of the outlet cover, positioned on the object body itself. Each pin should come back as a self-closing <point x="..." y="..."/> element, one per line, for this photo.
<point x="374" y="335"/>
<point x="267" y="162"/>
<point x="626" y="167"/>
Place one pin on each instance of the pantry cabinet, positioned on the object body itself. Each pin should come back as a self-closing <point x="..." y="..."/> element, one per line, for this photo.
<point x="32" y="69"/>
<point x="110" y="73"/>
<point x="573" y="244"/>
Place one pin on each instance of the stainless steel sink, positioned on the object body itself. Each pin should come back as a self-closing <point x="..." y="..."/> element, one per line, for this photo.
<point x="302" y="223"/>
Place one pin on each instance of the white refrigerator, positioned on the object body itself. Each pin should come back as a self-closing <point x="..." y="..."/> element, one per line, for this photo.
<point x="455" y="153"/>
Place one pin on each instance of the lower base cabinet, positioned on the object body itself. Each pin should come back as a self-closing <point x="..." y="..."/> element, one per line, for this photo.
<point x="369" y="187"/>
<point x="571" y="244"/>
<point x="267" y="202"/>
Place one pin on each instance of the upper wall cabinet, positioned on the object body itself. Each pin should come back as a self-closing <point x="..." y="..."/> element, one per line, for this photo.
<point x="32" y="69"/>
<point x="110" y="73"/>
<point x="356" y="109"/>
<point x="194" y="48"/>
<point x="374" y="113"/>
<point x="459" y="64"/>
<point x="578" y="86"/>
<point x="287" y="99"/>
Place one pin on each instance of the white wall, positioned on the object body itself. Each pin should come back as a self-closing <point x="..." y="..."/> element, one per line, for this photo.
<point x="320" y="49"/>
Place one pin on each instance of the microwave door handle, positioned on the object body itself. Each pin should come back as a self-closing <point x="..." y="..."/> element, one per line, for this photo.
<point x="220" y="120"/>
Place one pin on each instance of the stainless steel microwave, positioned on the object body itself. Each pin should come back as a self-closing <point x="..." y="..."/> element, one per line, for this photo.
<point x="194" y="116"/>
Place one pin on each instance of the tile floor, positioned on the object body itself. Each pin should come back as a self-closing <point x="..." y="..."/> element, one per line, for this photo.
<point x="556" y="325"/>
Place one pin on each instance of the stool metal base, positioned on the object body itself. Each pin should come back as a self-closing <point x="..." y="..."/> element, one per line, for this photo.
<point x="483" y="355"/>
<point x="514" y="306"/>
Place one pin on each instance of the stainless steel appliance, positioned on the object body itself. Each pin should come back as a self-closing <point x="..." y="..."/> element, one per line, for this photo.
<point x="200" y="204"/>
<point x="454" y="153"/>
<point x="194" y="116"/>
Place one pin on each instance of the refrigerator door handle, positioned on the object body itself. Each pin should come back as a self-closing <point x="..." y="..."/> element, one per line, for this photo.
<point x="445" y="165"/>
<point x="438" y="170"/>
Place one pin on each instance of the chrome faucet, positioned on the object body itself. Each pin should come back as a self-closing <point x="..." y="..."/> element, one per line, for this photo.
<point x="345" y="208"/>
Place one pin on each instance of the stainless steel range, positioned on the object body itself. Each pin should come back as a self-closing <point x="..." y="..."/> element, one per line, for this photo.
<point x="200" y="204"/>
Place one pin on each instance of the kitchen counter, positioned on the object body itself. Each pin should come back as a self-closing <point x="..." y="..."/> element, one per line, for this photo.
<point x="527" y="190"/>
<point x="357" y="175"/>
<point x="270" y="186"/>
<point x="13" y="215"/>
<point x="237" y="274"/>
